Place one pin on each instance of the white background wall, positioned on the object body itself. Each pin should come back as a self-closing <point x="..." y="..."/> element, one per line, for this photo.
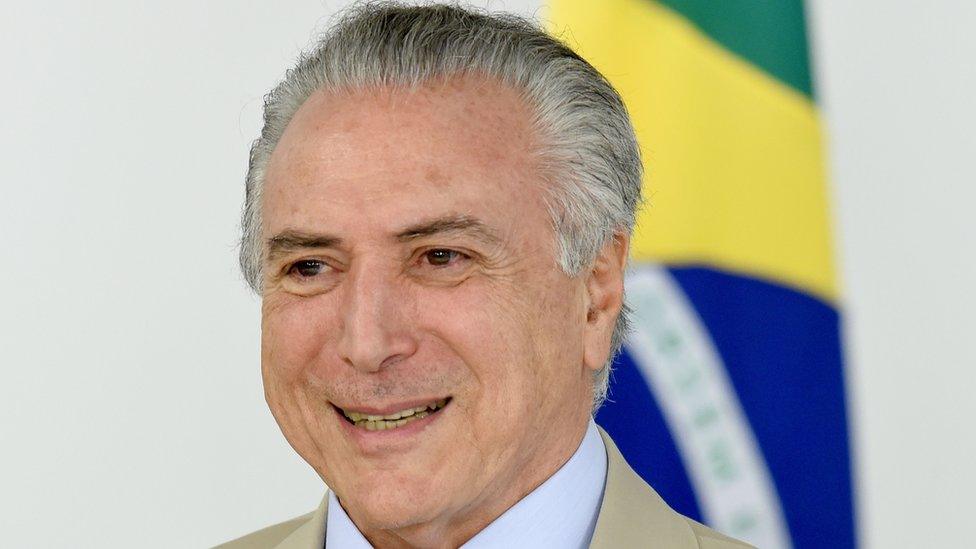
<point x="131" y="409"/>
<point x="898" y="83"/>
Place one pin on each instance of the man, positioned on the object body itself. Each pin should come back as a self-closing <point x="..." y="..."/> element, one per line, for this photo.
<point x="438" y="215"/>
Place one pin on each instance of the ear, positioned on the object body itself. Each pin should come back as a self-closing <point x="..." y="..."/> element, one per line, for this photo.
<point x="605" y="297"/>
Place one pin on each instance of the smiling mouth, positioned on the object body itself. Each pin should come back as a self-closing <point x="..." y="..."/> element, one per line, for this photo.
<point x="395" y="420"/>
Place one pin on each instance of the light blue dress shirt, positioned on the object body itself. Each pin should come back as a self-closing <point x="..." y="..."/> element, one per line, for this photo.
<point x="560" y="514"/>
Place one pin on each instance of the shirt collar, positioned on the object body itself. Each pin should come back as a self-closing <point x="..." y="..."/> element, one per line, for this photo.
<point x="560" y="513"/>
<point x="340" y="532"/>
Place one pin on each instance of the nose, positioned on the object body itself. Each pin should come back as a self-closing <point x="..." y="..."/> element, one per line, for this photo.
<point x="374" y="333"/>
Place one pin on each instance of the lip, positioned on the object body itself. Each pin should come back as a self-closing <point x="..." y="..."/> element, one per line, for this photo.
<point x="390" y="441"/>
<point x="390" y="408"/>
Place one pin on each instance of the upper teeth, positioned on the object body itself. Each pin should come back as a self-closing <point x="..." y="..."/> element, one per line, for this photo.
<point x="356" y="416"/>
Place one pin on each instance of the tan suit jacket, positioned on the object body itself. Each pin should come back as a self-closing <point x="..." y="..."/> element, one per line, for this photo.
<point x="632" y="515"/>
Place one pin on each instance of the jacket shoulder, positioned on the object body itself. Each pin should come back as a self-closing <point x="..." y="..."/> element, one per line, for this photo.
<point x="634" y="515"/>
<point x="710" y="539"/>
<point x="267" y="537"/>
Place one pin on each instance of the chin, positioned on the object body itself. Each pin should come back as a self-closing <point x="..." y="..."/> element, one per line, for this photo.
<point x="384" y="509"/>
<point x="387" y="504"/>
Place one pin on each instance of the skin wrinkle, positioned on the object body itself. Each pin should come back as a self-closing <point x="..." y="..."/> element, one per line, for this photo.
<point x="505" y="335"/>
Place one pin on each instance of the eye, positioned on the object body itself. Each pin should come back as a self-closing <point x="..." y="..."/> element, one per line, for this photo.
<point x="306" y="268"/>
<point x="309" y="277"/>
<point x="440" y="257"/>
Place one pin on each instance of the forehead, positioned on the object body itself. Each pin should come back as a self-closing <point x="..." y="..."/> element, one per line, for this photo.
<point x="383" y="158"/>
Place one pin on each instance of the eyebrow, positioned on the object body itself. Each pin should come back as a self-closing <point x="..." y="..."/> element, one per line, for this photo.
<point x="461" y="224"/>
<point x="291" y="240"/>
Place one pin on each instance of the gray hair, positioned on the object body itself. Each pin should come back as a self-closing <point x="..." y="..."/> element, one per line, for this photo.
<point x="588" y="151"/>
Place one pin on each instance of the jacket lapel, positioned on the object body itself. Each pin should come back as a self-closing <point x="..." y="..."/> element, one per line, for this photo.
<point x="311" y="534"/>
<point x="632" y="514"/>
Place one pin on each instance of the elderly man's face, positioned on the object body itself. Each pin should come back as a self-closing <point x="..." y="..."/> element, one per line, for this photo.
<point x="412" y="275"/>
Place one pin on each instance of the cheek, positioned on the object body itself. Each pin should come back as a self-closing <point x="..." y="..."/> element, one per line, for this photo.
<point x="292" y="337"/>
<point x="512" y="338"/>
<point x="294" y="332"/>
<point x="559" y="324"/>
<point x="537" y="336"/>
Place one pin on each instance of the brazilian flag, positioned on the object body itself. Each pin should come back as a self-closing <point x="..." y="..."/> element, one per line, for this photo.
<point x="729" y="399"/>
